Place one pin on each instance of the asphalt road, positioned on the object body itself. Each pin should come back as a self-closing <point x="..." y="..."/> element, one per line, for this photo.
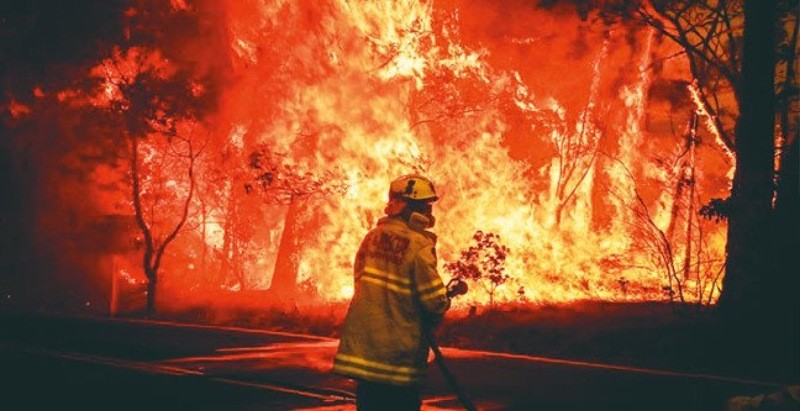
<point x="94" y="363"/>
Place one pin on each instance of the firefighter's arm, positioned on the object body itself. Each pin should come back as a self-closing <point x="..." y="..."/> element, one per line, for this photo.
<point x="429" y="286"/>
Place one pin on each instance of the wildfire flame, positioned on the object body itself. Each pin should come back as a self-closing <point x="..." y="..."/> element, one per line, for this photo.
<point x="540" y="132"/>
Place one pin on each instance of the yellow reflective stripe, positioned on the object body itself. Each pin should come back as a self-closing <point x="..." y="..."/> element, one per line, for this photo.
<point x="386" y="280"/>
<point x="434" y="293"/>
<point x="436" y="283"/>
<point x="378" y="365"/>
<point x="386" y="274"/>
<point x="384" y="283"/>
<point x="370" y="374"/>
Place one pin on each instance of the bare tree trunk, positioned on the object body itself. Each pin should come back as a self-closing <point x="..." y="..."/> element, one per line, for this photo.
<point x="284" y="278"/>
<point x="152" y="286"/>
<point x="687" y="259"/>
<point x="227" y="238"/>
<point x="787" y="187"/>
<point x="203" y="235"/>
<point x="236" y="264"/>
<point x="147" y="257"/>
<point x="787" y="204"/>
<point x="748" y="266"/>
<point x="151" y="260"/>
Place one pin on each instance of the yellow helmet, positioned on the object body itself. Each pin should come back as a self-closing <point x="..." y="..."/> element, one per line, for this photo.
<point x="413" y="187"/>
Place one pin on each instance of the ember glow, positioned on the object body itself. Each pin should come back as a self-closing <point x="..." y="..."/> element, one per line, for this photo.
<point x="571" y="140"/>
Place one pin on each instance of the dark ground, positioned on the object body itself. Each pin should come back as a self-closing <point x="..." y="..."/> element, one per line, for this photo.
<point x="652" y="335"/>
<point x="96" y="363"/>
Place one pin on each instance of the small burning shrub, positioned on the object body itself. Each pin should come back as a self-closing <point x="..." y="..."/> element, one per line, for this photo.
<point x="482" y="263"/>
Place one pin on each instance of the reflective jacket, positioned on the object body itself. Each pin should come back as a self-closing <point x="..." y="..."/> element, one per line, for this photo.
<point x="397" y="292"/>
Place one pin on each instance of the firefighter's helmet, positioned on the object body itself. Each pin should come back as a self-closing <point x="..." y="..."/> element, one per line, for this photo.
<point x="413" y="187"/>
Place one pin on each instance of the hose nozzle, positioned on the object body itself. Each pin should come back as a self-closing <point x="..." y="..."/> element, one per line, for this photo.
<point x="456" y="287"/>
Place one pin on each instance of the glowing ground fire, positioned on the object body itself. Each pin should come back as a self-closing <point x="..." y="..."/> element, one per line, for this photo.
<point x="575" y="142"/>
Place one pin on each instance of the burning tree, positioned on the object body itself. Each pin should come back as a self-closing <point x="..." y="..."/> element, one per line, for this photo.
<point x="576" y="151"/>
<point x="676" y="243"/>
<point x="742" y="57"/>
<point x="279" y="181"/>
<point x="482" y="263"/>
<point x="283" y="183"/>
<point x="156" y="104"/>
<point x="746" y="79"/>
<point x="149" y="104"/>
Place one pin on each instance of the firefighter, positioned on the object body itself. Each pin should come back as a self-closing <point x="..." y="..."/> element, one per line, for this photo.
<point x="398" y="291"/>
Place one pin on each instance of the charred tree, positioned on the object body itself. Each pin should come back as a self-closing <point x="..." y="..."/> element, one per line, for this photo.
<point x="749" y="267"/>
<point x="153" y="247"/>
<point x="283" y="183"/>
<point x="284" y="277"/>
<point x="731" y="50"/>
<point x="787" y="183"/>
<point x="230" y="253"/>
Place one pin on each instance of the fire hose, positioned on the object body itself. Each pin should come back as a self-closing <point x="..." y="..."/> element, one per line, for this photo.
<point x="455" y="288"/>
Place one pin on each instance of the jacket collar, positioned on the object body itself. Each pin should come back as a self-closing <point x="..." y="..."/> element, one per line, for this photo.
<point x="417" y="222"/>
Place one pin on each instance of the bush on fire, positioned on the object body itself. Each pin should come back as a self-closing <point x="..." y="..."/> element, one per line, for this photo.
<point x="482" y="263"/>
